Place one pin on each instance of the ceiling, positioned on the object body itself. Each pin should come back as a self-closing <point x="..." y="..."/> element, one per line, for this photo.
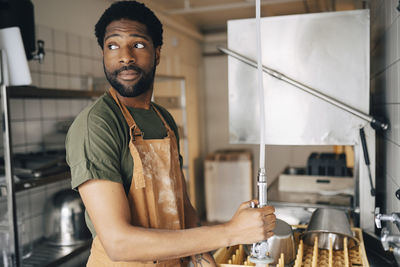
<point x="210" y="16"/>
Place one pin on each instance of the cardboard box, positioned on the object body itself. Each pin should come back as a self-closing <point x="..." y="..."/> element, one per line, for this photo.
<point x="228" y="183"/>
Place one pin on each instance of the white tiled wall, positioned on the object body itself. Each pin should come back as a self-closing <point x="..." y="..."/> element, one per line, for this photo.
<point x="385" y="86"/>
<point x="33" y="120"/>
<point x="69" y="62"/>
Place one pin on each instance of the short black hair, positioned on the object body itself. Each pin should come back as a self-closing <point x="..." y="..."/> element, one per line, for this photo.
<point x="130" y="10"/>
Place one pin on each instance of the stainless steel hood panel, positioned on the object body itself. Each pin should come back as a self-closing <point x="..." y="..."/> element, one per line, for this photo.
<point x="326" y="51"/>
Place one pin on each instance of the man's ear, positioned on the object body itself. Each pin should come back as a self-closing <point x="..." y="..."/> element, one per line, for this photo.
<point x="158" y="51"/>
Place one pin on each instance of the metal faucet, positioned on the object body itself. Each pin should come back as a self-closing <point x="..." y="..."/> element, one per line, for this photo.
<point x="379" y="218"/>
<point x="260" y="252"/>
<point x="386" y="239"/>
<point x="39" y="55"/>
<point x="389" y="242"/>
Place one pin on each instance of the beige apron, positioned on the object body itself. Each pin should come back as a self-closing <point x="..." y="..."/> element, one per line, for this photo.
<point x="156" y="193"/>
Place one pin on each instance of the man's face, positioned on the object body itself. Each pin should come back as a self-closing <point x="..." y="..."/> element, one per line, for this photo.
<point x="129" y="57"/>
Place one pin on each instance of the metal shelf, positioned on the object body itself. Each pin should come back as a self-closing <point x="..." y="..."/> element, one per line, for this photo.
<point x="25" y="184"/>
<point x="47" y="255"/>
<point x="36" y="92"/>
<point x="12" y="186"/>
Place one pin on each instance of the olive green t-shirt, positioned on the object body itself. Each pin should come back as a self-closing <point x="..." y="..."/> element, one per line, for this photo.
<point x="97" y="142"/>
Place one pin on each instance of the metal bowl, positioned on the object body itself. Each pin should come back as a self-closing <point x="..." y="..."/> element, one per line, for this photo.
<point x="282" y="242"/>
<point x="65" y="219"/>
<point x="329" y="224"/>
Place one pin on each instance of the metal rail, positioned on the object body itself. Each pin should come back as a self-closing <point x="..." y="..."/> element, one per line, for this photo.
<point x="11" y="203"/>
<point x="375" y="123"/>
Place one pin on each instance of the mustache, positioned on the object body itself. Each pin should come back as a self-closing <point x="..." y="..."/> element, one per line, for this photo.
<point x="129" y="67"/>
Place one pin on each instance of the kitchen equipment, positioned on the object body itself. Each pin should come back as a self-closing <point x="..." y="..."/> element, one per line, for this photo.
<point x="14" y="70"/>
<point x="306" y="256"/>
<point x="24" y="238"/>
<point x="231" y="170"/>
<point x="36" y="165"/>
<point x="294" y="50"/>
<point x="282" y="242"/>
<point x="329" y="225"/>
<point x="14" y="64"/>
<point x="65" y="219"/>
<point x="20" y="14"/>
<point x="327" y="164"/>
<point x="295" y="170"/>
<point x="366" y="158"/>
<point x="260" y="251"/>
<point x="292" y="180"/>
<point x="4" y="245"/>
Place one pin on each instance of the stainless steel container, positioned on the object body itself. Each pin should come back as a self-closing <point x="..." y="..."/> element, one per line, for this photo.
<point x="65" y="219"/>
<point x="328" y="223"/>
<point x="282" y="242"/>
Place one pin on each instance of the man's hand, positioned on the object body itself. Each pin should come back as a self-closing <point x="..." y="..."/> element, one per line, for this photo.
<point x="251" y="225"/>
<point x="203" y="260"/>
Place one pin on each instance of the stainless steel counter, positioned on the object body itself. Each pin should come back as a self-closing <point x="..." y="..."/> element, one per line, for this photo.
<point x="45" y="255"/>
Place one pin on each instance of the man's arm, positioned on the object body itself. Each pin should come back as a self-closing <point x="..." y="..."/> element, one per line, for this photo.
<point x="191" y="221"/>
<point x="109" y="211"/>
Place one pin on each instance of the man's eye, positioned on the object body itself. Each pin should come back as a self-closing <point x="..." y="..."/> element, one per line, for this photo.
<point x="139" y="45"/>
<point x="112" y="46"/>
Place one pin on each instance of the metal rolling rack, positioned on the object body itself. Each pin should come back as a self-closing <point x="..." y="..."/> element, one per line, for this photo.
<point x="11" y="187"/>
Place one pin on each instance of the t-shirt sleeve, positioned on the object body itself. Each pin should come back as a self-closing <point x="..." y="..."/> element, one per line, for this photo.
<point x="92" y="150"/>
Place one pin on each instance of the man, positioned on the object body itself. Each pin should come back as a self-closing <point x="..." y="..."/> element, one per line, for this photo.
<point x="124" y="159"/>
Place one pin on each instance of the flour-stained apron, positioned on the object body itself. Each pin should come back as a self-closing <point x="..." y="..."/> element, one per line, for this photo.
<point x="156" y="194"/>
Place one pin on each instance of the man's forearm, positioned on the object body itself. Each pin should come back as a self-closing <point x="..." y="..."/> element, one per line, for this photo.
<point x="123" y="242"/>
<point x="141" y="244"/>
<point x="191" y="221"/>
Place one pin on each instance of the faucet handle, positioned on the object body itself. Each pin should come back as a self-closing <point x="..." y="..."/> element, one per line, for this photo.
<point x="378" y="217"/>
<point x="384" y="238"/>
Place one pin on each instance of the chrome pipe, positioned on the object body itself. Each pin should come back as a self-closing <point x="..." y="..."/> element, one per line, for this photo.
<point x="375" y="123"/>
<point x="11" y="202"/>
<point x="262" y="188"/>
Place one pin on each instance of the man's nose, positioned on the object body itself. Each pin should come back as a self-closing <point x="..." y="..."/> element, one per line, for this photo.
<point x="127" y="56"/>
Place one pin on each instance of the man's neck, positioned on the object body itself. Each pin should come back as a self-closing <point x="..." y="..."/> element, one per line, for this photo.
<point x="141" y="101"/>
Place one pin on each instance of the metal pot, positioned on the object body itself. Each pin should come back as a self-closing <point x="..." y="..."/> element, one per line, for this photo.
<point x="282" y="242"/>
<point x="65" y="219"/>
<point x="329" y="224"/>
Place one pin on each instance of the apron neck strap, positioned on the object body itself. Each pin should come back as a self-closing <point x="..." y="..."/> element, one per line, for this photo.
<point x="135" y="132"/>
<point x="169" y="130"/>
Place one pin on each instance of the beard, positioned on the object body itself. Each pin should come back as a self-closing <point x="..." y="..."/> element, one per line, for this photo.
<point x="142" y="86"/>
